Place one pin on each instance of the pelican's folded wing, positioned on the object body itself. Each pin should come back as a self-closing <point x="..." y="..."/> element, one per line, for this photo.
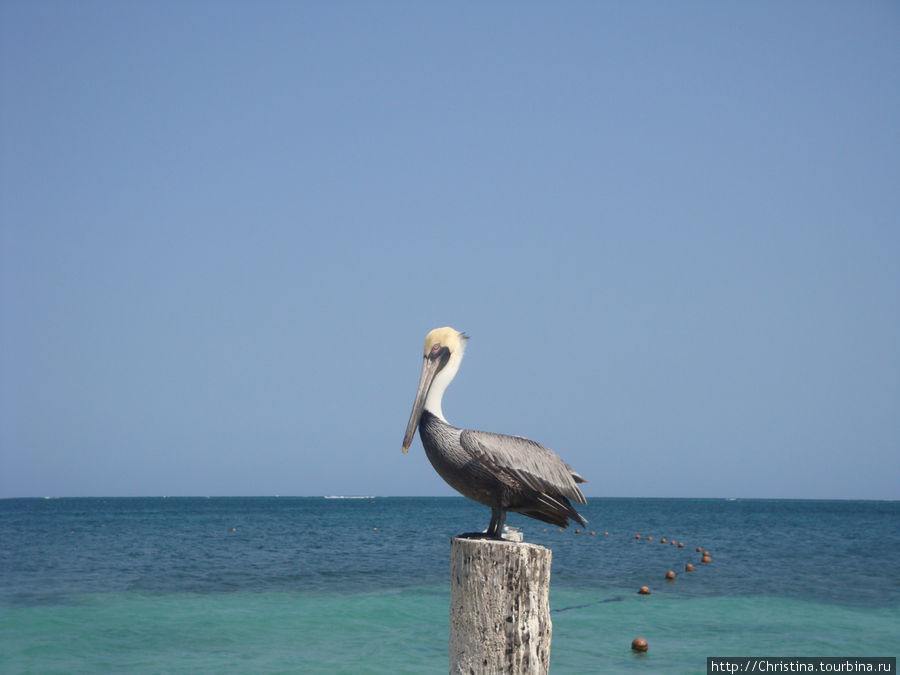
<point x="527" y="462"/>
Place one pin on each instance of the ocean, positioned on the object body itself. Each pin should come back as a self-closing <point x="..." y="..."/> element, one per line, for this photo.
<point x="360" y="585"/>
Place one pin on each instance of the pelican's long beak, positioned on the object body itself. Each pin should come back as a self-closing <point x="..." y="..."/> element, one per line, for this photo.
<point x="430" y="367"/>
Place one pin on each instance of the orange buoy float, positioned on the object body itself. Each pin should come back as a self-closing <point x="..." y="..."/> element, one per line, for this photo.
<point x="643" y="590"/>
<point x="689" y="568"/>
<point x="680" y="544"/>
<point x="670" y="575"/>
<point x="706" y="559"/>
<point x="639" y="645"/>
<point x="662" y="541"/>
<point x="637" y="536"/>
<point x="699" y="549"/>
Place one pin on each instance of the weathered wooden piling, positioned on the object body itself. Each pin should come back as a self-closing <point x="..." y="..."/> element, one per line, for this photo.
<point x="499" y="607"/>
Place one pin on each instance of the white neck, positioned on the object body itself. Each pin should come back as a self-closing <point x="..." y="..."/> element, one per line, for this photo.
<point x="439" y="385"/>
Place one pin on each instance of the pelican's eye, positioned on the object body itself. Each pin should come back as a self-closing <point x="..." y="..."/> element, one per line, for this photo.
<point x="435" y="349"/>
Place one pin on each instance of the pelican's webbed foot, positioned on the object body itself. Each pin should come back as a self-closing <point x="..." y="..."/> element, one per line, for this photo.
<point x="476" y="535"/>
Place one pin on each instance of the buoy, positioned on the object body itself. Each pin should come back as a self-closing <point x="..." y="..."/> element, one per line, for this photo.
<point x="672" y="542"/>
<point x="670" y="575"/>
<point x="639" y="645"/>
<point x="705" y="552"/>
<point x="689" y="568"/>
<point x="606" y="533"/>
<point x="680" y="544"/>
<point x="637" y="536"/>
<point x="662" y="541"/>
<point x="649" y="538"/>
<point x="374" y="529"/>
<point x="577" y="531"/>
<point x="706" y="559"/>
<point x="643" y="590"/>
<point x="593" y="533"/>
<point x="699" y="549"/>
<point x="234" y="529"/>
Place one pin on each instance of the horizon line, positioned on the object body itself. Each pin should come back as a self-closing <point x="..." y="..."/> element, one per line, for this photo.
<point x="352" y="496"/>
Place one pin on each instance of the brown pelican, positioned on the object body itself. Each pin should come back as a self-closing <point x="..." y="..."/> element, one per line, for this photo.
<point x="507" y="473"/>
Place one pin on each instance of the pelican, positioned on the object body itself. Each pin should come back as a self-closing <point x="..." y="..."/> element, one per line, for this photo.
<point x="506" y="473"/>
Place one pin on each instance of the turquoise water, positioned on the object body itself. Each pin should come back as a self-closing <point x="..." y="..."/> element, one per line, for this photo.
<point x="340" y="585"/>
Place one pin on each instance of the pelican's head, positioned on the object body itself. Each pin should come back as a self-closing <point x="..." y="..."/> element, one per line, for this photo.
<point x="444" y="349"/>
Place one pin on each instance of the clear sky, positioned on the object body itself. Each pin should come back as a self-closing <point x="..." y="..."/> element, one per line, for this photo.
<point x="672" y="231"/>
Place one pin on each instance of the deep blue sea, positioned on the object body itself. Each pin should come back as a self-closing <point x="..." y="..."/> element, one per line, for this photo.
<point x="361" y="585"/>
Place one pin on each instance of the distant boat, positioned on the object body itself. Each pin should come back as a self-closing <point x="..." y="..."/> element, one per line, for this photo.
<point x="349" y="496"/>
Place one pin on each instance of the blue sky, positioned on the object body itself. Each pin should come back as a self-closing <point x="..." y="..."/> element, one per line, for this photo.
<point x="672" y="231"/>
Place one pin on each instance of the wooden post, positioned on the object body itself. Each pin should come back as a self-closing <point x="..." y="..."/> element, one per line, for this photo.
<point x="499" y="607"/>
